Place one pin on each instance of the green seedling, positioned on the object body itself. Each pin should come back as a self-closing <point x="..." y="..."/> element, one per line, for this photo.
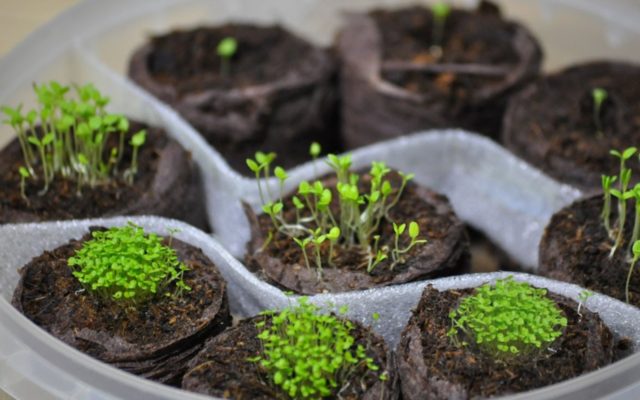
<point x="440" y="12"/>
<point x="397" y="252"/>
<point x="583" y="297"/>
<point x="66" y="137"/>
<point x="359" y="216"/>
<point x="226" y="50"/>
<point x="127" y="265"/>
<point x="310" y="355"/>
<point x="24" y="175"/>
<point x="599" y="96"/>
<point x="507" y="320"/>
<point x="622" y="193"/>
<point x="607" y="182"/>
<point x="636" y="255"/>
<point x="314" y="151"/>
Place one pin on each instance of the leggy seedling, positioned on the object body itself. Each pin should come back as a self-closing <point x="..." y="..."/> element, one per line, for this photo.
<point x="67" y="138"/>
<point x="636" y="255"/>
<point x="583" y="296"/>
<point x="622" y="193"/>
<point x="599" y="96"/>
<point x="226" y="49"/>
<point x="440" y="12"/>
<point x="343" y="216"/>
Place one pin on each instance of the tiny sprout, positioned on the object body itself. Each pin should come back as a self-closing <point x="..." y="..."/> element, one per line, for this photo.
<point x="583" y="296"/>
<point x="24" y="175"/>
<point x="607" y="182"/>
<point x="137" y="140"/>
<point x="440" y="12"/>
<point x="343" y="309"/>
<point x="414" y="231"/>
<point x="375" y="316"/>
<point x="315" y="149"/>
<point x="636" y="255"/>
<point x="599" y="95"/>
<point x="226" y="49"/>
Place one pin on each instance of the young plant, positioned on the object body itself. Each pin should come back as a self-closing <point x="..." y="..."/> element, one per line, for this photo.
<point x="622" y="194"/>
<point x="599" y="96"/>
<point x="360" y="214"/>
<point x="636" y="255"/>
<point x="24" y="175"/>
<point x="607" y="181"/>
<point x="226" y="49"/>
<point x="397" y="252"/>
<point x="128" y="266"/>
<point x="507" y="319"/>
<point x="583" y="297"/>
<point x="440" y="12"/>
<point x="66" y="137"/>
<point x="310" y="355"/>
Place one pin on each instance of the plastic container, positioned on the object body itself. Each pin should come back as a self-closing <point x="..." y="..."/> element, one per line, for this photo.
<point x="92" y="42"/>
<point x="34" y="364"/>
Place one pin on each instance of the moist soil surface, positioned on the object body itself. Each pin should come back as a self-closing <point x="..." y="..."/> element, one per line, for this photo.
<point x="282" y="262"/>
<point x="115" y="197"/>
<point x="575" y="248"/>
<point x="155" y="339"/>
<point x="264" y="102"/>
<point x="188" y="61"/>
<point x="221" y="369"/>
<point x="552" y="125"/>
<point x="431" y="366"/>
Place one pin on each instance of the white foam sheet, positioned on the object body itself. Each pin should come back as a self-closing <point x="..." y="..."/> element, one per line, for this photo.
<point x="33" y="362"/>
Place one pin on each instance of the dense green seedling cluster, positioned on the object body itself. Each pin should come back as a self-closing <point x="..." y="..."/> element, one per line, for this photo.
<point x="507" y="319"/>
<point x="440" y="12"/>
<point x="127" y="265"/>
<point x="354" y="224"/>
<point x="67" y="137"/>
<point x="310" y="355"/>
<point x="227" y="47"/>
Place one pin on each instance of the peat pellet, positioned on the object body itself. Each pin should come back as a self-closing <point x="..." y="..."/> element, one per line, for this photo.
<point x="156" y="340"/>
<point x="279" y="260"/>
<point x="392" y="84"/>
<point x="222" y="368"/>
<point x="431" y="365"/>
<point x="552" y="125"/>
<point x="167" y="184"/>
<point x="576" y="248"/>
<point x="280" y="92"/>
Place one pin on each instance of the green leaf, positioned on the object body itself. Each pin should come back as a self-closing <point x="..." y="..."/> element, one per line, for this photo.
<point x="414" y="230"/>
<point x="253" y="166"/>
<point x="139" y="138"/>
<point x="315" y="149"/>
<point x="280" y="173"/>
<point x="24" y="172"/>
<point x="227" y="47"/>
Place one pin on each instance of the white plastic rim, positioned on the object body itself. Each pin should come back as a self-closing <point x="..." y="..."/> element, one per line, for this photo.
<point x="92" y="42"/>
<point x="34" y="364"/>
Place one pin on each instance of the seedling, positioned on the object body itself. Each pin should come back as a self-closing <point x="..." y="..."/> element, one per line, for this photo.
<point x="344" y="216"/>
<point x="24" y="175"/>
<point x="67" y="138"/>
<point x="440" y="12"/>
<point x="310" y="355"/>
<point x="599" y="96"/>
<point x="583" y="297"/>
<point x="607" y="181"/>
<point x="636" y="255"/>
<point x="622" y="193"/>
<point x="226" y="49"/>
<point x="507" y="320"/>
<point x="127" y="265"/>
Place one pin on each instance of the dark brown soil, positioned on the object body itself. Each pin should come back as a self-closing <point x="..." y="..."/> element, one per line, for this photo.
<point x="280" y="94"/>
<point x="551" y="123"/>
<point x="167" y="185"/>
<point x="575" y="248"/>
<point x="221" y="369"/>
<point x="154" y="340"/>
<point x="446" y="252"/>
<point x="392" y="84"/>
<point x="431" y="366"/>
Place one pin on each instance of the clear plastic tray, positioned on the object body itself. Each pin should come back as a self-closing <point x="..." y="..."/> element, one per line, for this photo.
<point x="489" y="188"/>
